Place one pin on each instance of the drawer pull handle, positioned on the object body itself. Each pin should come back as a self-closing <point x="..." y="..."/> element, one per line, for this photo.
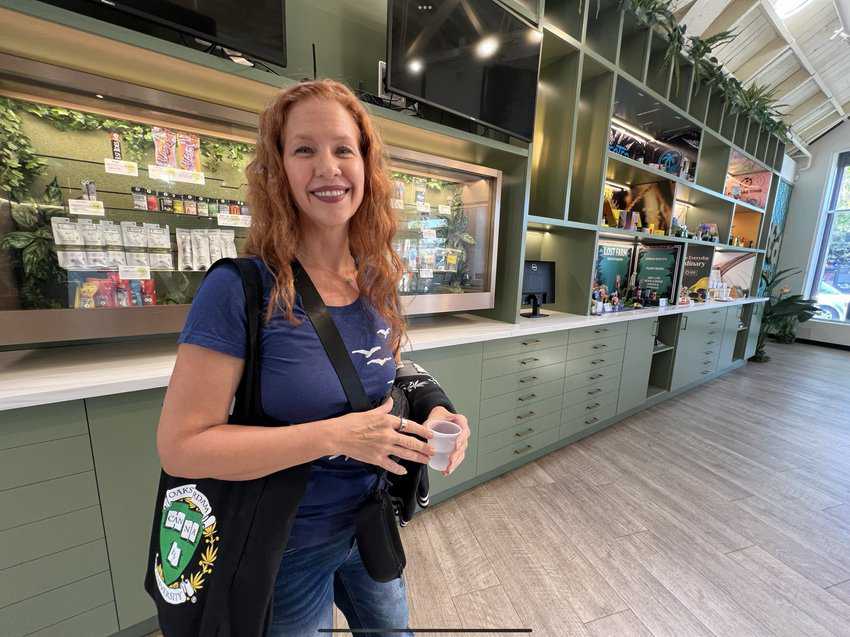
<point x="601" y="330"/>
<point x="708" y="362"/>
<point x="709" y="353"/>
<point x="527" y="379"/>
<point x="526" y="361"/>
<point x="594" y="391"/>
<point x="706" y="371"/>
<point x="520" y="434"/>
<point x="590" y="421"/>
<point x="597" y="361"/>
<point x="593" y="406"/>
<point x="709" y="342"/>
<point x="595" y="376"/>
<point x="600" y="346"/>
<point x="524" y="416"/>
<point x="522" y="399"/>
<point x="523" y="450"/>
<point x="531" y="342"/>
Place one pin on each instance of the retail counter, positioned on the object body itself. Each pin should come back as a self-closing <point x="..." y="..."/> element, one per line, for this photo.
<point x="78" y="463"/>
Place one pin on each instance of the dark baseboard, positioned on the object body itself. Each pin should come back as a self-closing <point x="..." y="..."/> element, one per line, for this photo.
<point x="808" y="341"/>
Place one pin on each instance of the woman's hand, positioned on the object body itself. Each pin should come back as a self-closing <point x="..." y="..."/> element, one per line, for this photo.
<point x="372" y="437"/>
<point x="441" y="413"/>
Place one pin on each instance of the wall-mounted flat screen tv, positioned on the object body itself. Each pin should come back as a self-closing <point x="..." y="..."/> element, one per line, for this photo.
<point x="255" y="28"/>
<point x="471" y="57"/>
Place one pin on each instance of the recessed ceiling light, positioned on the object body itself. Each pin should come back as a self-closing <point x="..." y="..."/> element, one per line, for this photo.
<point x="487" y="47"/>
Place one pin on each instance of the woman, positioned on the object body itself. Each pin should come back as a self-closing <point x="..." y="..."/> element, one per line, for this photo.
<point x="319" y="192"/>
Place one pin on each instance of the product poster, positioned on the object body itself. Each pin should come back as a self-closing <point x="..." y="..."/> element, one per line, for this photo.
<point x="736" y="270"/>
<point x="656" y="268"/>
<point x="752" y="188"/>
<point x="613" y="263"/>
<point x="697" y="269"/>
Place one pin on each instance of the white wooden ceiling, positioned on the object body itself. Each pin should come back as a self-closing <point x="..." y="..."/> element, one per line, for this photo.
<point x="803" y="55"/>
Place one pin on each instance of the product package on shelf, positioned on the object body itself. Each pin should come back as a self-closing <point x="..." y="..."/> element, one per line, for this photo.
<point x="114" y="244"/>
<point x="159" y="247"/>
<point x="228" y="244"/>
<point x="184" y="249"/>
<point x="200" y="250"/>
<point x="69" y="243"/>
<point x="135" y="243"/>
<point x="214" y="236"/>
<point x="92" y="234"/>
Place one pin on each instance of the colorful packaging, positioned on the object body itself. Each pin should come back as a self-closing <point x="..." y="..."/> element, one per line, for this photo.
<point x="152" y="199"/>
<point x="223" y="207"/>
<point x="87" y="292"/>
<point x="165" y="146"/>
<point x="188" y="152"/>
<point x="190" y="206"/>
<point x="136" y="293"/>
<point x="122" y="291"/>
<point x="200" y="250"/>
<point x="89" y="190"/>
<point x="140" y="200"/>
<point x="235" y="208"/>
<point x="148" y="292"/>
<point x="184" y="249"/>
<point x="177" y="204"/>
<point x="66" y="232"/>
<point x="105" y="295"/>
<point x="203" y="207"/>
<point x="246" y="210"/>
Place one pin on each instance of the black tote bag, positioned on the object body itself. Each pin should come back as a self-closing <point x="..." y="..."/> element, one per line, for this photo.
<point x="216" y="545"/>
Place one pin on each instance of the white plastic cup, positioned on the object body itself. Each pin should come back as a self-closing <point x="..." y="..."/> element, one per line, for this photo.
<point x="444" y="442"/>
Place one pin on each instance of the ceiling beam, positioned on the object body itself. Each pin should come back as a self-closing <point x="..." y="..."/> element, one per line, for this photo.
<point x="779" y="25"/>
<point x="767" y="55"/>
<point x="733" y="13"/>
<point x="817" y="124"/>
<point x="824" y="129"/>
<point x="801" y="116"/>
<point x="701" y="14"/>
<point x="791" y="84"/>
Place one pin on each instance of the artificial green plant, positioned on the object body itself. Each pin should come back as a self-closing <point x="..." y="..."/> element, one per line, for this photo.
<point x="783" y="312"/>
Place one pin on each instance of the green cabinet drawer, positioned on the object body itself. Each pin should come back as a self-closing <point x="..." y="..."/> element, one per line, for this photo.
<point x="45" y="537"/>
<point x="605" y="390"/>
<point x="47" y="499"/>
<point x="591" y="407"/>
<point x="572" y="424"/>
<point x="520" y="344"/>
<point x="596" y="331"/>
<point x="522" y="431"/>
<point x="594" y="361"/>
<point x="19" y="427"/>
<point x="519" y="416"/>
<point x="97" y="622"/>
<point x="51" y="571"/>
<point x="490" y="461"/>
<point x="521" y="381"/>
<point x="522" y="398"/>
<point x="504" y="365"/>
<point x="596" y="346"/>
<point x="44" y="461"/>
<point x="585" y="379"/>
<point x="55" y="606"/>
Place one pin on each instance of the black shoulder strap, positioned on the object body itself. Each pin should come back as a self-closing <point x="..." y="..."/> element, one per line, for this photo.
<point x="331" y="339"/>
<point x="248" y="408"/>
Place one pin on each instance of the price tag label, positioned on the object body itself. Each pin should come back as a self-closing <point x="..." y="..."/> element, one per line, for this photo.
<point x="397" y="204"/>
<point x="423" y="206"/>
<point x="443" y="209"/>
<point x="136" y="272"/>
<point x="426" y="273"/>
<point x="119" y="167"/>
<point x="429" y="233"/>
<point x="238" y="221"/>
<point x="168" y="173"/>
<point x="86" y="207"/>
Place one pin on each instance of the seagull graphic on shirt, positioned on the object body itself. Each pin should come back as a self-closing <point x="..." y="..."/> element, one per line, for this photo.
<point x="380" y="361"/>
<point x="384" y="332"/>
<point x="367" y="352"/>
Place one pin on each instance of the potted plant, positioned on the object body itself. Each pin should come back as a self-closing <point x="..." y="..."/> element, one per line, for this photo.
<point x="783" y="312"/>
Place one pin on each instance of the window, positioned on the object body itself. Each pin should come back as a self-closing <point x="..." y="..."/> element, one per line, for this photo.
<point x="832" y="283"/>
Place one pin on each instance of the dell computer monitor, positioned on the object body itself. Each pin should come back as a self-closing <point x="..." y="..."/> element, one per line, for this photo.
<point x="538" y="286"/>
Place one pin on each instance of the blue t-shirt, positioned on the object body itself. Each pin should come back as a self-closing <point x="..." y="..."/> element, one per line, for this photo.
<point x="299" y="384"/>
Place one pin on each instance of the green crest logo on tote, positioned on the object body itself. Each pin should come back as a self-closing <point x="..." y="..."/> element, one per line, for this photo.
<point x="187" y="524"/>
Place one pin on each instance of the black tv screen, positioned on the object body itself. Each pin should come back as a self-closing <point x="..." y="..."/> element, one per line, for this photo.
<point x="254" y="28"/>
<point x="471" y="57"/>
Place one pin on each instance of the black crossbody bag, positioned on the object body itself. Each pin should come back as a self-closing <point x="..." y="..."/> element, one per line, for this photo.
<point x="377" y="533"/>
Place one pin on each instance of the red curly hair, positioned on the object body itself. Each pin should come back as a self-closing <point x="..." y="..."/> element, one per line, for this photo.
<point x="275" y="227"/>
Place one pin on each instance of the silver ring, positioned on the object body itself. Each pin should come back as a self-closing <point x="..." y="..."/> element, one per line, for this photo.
<point x="401" y="423"/>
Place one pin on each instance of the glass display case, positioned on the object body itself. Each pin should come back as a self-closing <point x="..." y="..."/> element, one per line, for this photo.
<point x="111" y="213"/>
<point x="448" y="213"/>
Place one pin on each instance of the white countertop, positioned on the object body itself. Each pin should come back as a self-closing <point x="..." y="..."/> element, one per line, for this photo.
<point x="51" y="375"/>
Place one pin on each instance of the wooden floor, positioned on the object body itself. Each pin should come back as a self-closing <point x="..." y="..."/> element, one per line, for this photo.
<point x="723" y="512"/>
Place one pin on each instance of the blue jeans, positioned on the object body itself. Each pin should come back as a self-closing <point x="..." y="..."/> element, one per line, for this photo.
<point x="311" y="579"/>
